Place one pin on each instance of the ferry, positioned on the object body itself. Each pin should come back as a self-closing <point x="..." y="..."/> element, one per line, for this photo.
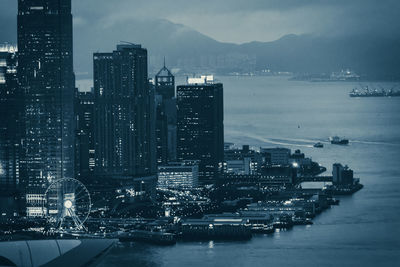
<point x="319" y="145"/>
<point x="373" y="93"/>
<point x="336" y="140"/>
<point x="262" y="229"/>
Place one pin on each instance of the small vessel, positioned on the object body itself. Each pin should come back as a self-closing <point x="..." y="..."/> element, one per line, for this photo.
<point x="336" y="140"/>
<point x="319" y="144"/>
<point x="262" y="229"/>
<point x="373" y="93"/>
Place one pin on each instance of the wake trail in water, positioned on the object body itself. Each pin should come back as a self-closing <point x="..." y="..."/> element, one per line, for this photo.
<point x="303" y="142"/>
<point x="274" y="141"/>
<point x="374" y="143"/>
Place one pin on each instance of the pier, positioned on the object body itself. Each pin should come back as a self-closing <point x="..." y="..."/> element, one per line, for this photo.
<point x="314" y="179"/>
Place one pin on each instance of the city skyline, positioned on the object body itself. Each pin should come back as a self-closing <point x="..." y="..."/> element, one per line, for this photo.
<point x="191" y="150"/>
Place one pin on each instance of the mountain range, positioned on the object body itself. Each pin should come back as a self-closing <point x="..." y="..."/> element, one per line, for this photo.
<point x="188" y="51"/>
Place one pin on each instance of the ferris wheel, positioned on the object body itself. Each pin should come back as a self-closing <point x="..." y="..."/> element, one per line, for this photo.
<point x="67" y="204"/>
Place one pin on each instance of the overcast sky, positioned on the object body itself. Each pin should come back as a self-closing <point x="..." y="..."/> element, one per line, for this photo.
<point x="237" y="21"/>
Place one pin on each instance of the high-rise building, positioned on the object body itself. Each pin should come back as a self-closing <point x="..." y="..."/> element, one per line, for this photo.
<point x="200" y="126"/>
<point x="124" y="116"/>
<point x="10" y="130"/>
<point x="161" y="131"/>
<point x="45" y="72"/>
<point x="84" y="139"/>
<point x="164" y="84"/>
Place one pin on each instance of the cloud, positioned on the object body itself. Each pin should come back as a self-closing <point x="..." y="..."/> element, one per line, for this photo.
<point x="237" y="20"/>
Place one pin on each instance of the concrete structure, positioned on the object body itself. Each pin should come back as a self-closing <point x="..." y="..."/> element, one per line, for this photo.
<point x="342" y="175"/>
<point x="179" y="175"/>
<point x="10" y="129"/>
<point x="83" y="252"/>
<point x="166" y="116"/>
<point x="124" y="114"/>
<point x="256" y="179"/>
<point x="300" y="159"/>
<point x="216" y="228"/>
<point x="45" y="75"/>
<point x="251" y="160"/>
<point x="124" y="120"/>
<point x="200" y="126"/>
<point x="278" y="156"/>
<point x="238" y="166"/>
<point x="84" y="138"/>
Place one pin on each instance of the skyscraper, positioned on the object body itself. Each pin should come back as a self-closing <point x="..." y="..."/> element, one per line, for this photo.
<point x="165" y="83"/>
<point x="10" y="130"/>
<point x="84" y="139"/>
<point x="200" y="125"/>
<point x="124" y="115"/>
<point x="165" y="115"/>
<point x="46" y="77"/>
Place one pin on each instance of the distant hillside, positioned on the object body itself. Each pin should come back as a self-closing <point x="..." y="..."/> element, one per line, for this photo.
<point x="193" y="52"/>
<point x="188" y="51"/>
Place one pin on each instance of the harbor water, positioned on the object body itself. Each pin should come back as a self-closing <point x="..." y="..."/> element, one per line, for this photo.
<point x="364" y="230"/>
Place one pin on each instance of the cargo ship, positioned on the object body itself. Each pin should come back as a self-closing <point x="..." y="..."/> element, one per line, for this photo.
<point x="373" y="93"/>
<point x="336" y="140"/>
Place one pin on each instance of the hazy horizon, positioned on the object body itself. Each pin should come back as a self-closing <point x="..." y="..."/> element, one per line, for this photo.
<point x="236" y="21"/>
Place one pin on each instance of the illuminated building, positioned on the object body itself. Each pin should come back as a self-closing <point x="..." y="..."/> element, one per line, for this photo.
<point x="84" y="139"/>
<point x="200" y="134"/>
<point x="45" y="74"/>
<point x="124" y="130"/>
<point x="178" y="175"/>
<point x="164" y="84"/>
<point x="278" y="155"/>
<point x="10" y="131"/>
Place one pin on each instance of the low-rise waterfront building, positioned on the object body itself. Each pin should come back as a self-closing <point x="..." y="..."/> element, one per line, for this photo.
<point x="216" y="228"/>
<point x="342" y="175"/>
<point x="178" y="175"/>
<point x="278" y="155"/>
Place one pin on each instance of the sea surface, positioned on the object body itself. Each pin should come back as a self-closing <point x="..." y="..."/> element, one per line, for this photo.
<point x="364" y="230"/>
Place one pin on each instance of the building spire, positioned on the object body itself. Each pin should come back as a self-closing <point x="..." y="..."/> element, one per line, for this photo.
<point x="164" y="62"/>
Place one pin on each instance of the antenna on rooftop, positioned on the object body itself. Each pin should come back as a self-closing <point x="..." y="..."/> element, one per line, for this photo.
<point x="125" y="42"/>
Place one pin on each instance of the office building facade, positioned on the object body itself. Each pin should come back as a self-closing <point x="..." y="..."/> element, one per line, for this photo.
<point x="166" y="116"/>
<point x="45" y="74"/>
<point x="178" y="175"/>
<point x="10" y="132"/>
<point x="124" y="131"/>
<point x="84" y="135"/>
<point x="200" y="127"/>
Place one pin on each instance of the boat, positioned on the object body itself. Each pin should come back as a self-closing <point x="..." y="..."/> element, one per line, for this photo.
<point x="373" y="93"/>
<point x="336" y="140"/>
<point x="319" y="144"/>
<point x="262" y="229"/>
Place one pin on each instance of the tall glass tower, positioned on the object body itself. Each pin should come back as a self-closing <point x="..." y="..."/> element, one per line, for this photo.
<point x="46" y="77"/>
<point x="124" y="103"/>
<point x="200" y="126"/>
<point x="10" y="110"/>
